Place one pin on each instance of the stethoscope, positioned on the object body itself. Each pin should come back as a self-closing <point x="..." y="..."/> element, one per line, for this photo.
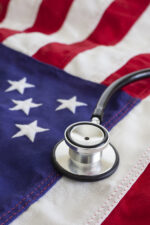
<point x="86" y="153"/>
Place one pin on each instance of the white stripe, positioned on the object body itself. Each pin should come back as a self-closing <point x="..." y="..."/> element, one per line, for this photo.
<point x="21" y="14"/>
<point x="81" y="20"/>
<point x="100" y="62"/>
<point x="71" y="202"/>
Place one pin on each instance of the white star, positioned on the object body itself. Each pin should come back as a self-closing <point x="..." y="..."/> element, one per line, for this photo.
<point x="24" y="105"/>
<point x="19" y="85"/>
<point x="70" y="104"/>
<point x="29" y="130"/>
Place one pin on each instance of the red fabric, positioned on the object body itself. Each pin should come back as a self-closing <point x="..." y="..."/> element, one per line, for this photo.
<point x="52" y="11"/>
<point x="139" y="89"/>
<point x="134" y="208"/>
<point x="3" y="8"/>
<point x="51" y="15"/>
<point x="4" y="33"/>
<point x="113" y="26"/>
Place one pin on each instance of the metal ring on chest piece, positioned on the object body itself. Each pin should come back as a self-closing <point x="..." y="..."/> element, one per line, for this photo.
<point x="85" y="154"/>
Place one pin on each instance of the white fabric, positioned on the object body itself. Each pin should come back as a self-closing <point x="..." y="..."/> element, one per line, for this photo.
<point x="70" y="104"/>
<point x="75" y="28"/>
<point x="104" y="60"/>
<point x="24" y="105"/>
<point x="29" y="130"/>
<point x="22" y="18"/>
<point x="19" y="85"/>
<point x="71" y="202"/>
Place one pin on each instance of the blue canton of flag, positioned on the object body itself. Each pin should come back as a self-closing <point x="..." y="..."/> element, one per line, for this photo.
<point x="37" y="102"/>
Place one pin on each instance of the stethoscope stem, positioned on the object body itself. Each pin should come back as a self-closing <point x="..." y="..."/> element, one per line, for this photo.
<point x="95" y="120"/>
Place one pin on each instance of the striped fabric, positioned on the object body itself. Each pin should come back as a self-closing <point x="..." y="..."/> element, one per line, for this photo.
<point x="97" y="41"/>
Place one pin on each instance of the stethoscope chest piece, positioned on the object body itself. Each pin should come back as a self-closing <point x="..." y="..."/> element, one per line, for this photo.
<point x="85" y="153"/>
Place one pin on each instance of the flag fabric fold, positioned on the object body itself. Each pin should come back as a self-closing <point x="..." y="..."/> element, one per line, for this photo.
<point x="86" y="45"/>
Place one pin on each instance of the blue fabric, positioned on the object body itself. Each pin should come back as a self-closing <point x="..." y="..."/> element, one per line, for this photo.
<point x="26" y="170"/>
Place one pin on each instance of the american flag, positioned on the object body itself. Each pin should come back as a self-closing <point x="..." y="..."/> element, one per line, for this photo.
<point x="56" y="59"/>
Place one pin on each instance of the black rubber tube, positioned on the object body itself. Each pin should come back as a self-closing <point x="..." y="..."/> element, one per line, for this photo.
<point x="115" y="86"/>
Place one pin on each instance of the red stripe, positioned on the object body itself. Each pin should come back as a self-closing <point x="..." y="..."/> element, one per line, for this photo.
<point x="51" y="16"/>
<point x="113" y="26"/>
<point x="134" y="208"/>
<point x="49" y="19"/>
<point x="139" y="89"/>
<point x="4" y="33"/>
<point x="3" y="8"/>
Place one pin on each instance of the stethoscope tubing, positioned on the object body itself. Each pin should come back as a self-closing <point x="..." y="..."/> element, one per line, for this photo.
<point x="115" y="86"/>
